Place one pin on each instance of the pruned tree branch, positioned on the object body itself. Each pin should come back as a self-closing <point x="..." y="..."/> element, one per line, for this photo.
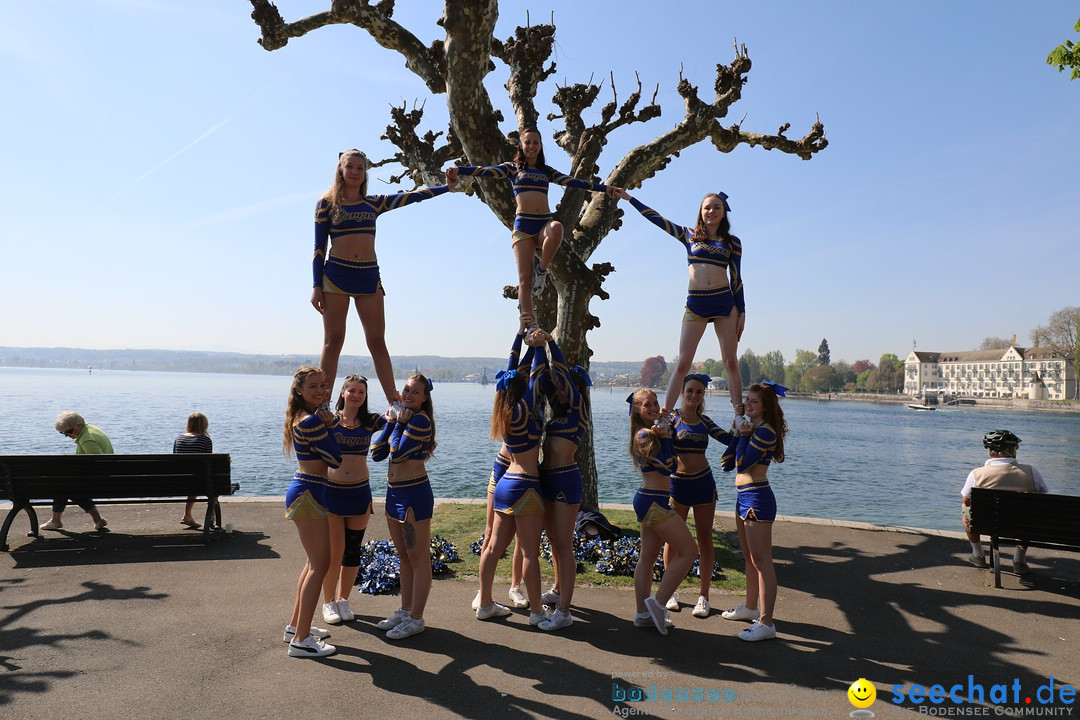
<point x="426" y="62"/>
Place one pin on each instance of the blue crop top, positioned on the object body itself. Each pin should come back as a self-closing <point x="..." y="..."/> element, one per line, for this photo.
<point x="355" y="439"/>
<point x="532" y="179"/>
<point x="573" y="423"/>
<point x="664" y="462"/>
<point x="404" y="441"/>
<point x="745" y="451"/>
<point x="312" y="441"/>
<point x="693" y="439"/>
<point x="357" y="217"/>
<point x="726" y="253"/>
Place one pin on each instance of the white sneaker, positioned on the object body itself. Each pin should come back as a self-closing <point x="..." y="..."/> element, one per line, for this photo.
<point x="518" y="599"/>
<point x="673" y="602"/>
<point x="100" y="524"/>
<point x="537" y="618"/>
<point x="493" y="610"/>
<point x="52" y="525"/>
<point x="740" y="612"/>
<point x="476" y="601"/>
<point x="394" y="620"/>
<point x="557" y="621"/>
<point x="330" y="613"/>
<point x="658" y="614"/>
<point x="551" y="597"/>
<point x="344" y="610"/>
<point x="405" y="628"/>
<point x="539" y="279"/>
<point x="316" y="632"/>
<point x="645" y="620"/>
<point x="702" y="609"/>
<point x="310" y="647"/>
<point x="757" y="631"/>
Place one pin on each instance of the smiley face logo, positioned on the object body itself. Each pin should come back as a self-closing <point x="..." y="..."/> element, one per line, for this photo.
<point x="861" y="693"/>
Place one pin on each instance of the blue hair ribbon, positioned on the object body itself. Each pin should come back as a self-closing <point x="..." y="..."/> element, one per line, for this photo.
<point x="503" y="378"/>
<point x="630" y="401"/>
<point x="723" y="196"/>
<point x="582" y="373"/>
<point x="430" y="385"/>
<point x="780" y="390"/>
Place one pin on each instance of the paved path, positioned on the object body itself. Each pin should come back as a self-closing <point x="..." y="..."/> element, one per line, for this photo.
<point x="145" y="622"/>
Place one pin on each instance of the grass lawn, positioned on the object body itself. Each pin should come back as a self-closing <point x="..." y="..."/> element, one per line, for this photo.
<point x="462" y="524"/>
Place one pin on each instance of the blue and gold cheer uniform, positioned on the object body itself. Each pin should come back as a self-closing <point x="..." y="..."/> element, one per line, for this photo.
<point x="563" y="483"/>
<point x="689" y="489"/>
<point x="305" y="498"/>
<point x="713" y="303"/>
<point x="346" y="499"/>
<point x="755" y="500"/>
<point x="530" y="179"/>
<point x="400" y="442"/>
<point x="519" y="493"/>
<point x="343" y="275"/>
<point x="652" y="505"/>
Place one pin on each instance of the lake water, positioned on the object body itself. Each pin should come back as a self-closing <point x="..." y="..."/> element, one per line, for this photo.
<point x="845" y="460"/>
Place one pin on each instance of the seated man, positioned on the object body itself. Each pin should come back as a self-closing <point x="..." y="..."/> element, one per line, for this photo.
<point x="89" y="440"/>
<point x="1000" y="472"/>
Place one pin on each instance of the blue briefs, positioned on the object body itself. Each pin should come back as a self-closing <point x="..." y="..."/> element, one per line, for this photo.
<point x="527" y="225"/>
<point x="304" y="498"/>
<point x="756" y="502"/>
<point x="652" y="506"/>
<point x="561" y="484"/>
<point x="709" y="305"/>
<point x="351" y="277"/>
<point x="518" y="494"/>
<point x="415" y="493"/>
<point x="345" y="499"/>
<point x="696" y="489"/>
<point x="498" y="469"/>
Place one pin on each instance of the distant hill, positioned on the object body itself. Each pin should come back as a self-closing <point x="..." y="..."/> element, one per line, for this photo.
<point x="445" y="369"/>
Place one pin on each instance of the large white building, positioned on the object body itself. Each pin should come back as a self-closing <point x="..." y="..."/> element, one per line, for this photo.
<point x="1013" y="372"/>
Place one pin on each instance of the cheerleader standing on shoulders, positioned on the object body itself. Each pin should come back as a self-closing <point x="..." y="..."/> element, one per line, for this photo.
<point x="519" y="509"/>
<point x="651" y="450"/>
<point x="307" y="434"/>
<point x="409" y="440"/>
<point x="567" y="389"/>
<point x="755" y="507"/>
<point x="716" y="288"/>
<point x="348" y="497"/>
<point x="344" y="266"/>
<point x="692" y="483"/>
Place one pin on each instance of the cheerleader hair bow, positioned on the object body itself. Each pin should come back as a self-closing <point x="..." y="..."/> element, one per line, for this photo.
<point x="582" y="373"/>
<point x="723" y="196"/>
<point x="701" y="378"/>
<point x="430" y="385"/>
<point x="780" y="390"/>
<point x="630" y="401"/>
<point x="503" y="378"/>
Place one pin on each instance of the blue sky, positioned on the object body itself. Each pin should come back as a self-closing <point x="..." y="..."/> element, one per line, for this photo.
<point x="161" y="168"/>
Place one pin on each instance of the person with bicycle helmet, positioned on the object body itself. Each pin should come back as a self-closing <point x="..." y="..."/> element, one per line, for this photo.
<point x="999" y="472"/>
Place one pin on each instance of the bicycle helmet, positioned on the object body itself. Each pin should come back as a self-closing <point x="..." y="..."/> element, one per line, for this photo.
<point x="999" y="440"/>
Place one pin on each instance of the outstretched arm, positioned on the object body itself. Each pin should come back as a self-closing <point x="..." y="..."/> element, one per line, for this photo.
<point x="679" y="232"/>
<point x="386" y="203"/>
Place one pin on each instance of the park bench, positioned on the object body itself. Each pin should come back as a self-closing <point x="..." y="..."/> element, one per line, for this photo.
<point x="34" y="480"/>
<point x="1039" y="519"/>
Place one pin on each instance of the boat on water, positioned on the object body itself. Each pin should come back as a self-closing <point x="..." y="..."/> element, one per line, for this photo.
<point x="920" y="406"/>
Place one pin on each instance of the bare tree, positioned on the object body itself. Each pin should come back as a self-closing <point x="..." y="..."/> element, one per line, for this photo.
<point x="457" y="65"/>
<point x="1062" y="335"/>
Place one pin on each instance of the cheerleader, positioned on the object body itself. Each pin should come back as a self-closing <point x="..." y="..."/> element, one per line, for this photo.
<point x="408" y="439"/>
<point x="652" y="452"/>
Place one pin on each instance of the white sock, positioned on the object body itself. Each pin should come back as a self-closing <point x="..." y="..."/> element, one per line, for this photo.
<point x="1019" y="555"/>
<point x="976" y="549"/>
